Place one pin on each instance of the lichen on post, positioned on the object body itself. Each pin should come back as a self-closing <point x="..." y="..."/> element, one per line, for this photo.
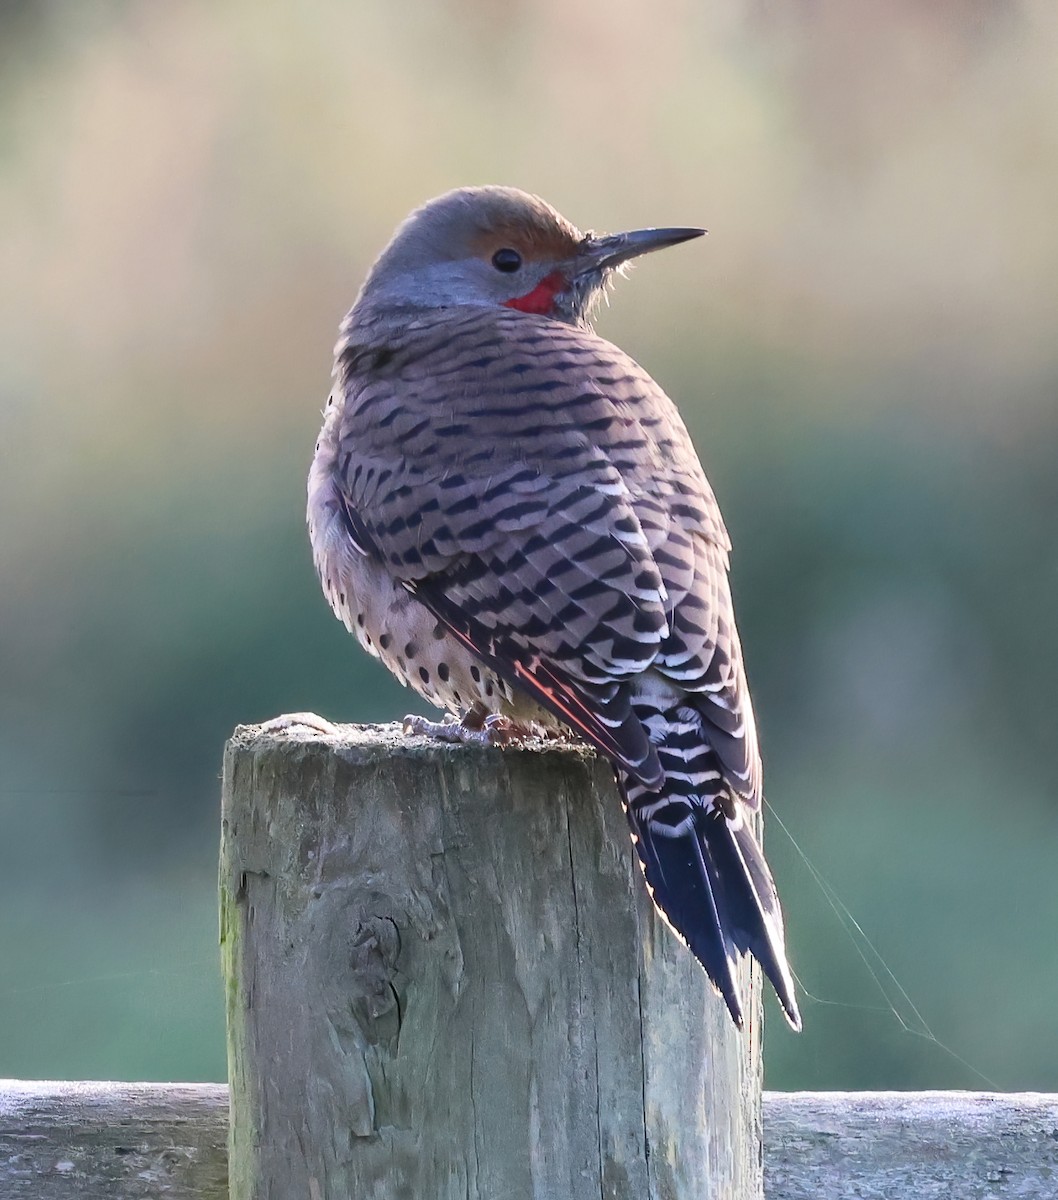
<point x="445" y="980"/>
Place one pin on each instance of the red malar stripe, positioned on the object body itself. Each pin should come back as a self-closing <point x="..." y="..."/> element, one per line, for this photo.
<point x="541" y="299"/>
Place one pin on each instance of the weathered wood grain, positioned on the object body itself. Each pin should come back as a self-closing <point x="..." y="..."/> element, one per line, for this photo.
<point x="910" y="1146"/>
<point x="444" y="980"/>
<point x="86" y="1141"/>
<point x="113" y="1141"/>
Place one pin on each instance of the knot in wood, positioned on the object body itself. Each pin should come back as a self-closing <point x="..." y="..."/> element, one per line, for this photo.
<point x="373" y="963"/>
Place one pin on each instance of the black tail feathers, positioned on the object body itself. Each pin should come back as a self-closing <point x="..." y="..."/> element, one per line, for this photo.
<point x="709" y="879"/>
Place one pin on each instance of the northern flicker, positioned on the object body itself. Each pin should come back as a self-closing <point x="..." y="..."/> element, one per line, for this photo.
<point x="508" y="511"/>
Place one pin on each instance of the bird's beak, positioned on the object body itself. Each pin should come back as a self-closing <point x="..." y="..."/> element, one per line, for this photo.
<point x="605" y="251"/>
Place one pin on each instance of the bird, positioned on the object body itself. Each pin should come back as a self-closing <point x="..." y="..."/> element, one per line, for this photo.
<point x="508" y="511"/>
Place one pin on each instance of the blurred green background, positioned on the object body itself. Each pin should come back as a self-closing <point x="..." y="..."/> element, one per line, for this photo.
<point x="865" y="348"/>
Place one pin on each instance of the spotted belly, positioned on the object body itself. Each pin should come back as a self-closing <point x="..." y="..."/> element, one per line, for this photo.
<point x="395" y="627"/>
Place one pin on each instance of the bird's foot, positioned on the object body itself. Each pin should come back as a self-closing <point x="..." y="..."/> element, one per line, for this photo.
<point x="475" y="729"/>
<point x="445" y="731"/>
<point x="301" y="720"/>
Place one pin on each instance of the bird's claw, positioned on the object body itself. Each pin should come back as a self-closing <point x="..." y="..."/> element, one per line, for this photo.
<point x="301" y="720"/>
<point x="493" y="730"/>
<point x="445" y="731"/>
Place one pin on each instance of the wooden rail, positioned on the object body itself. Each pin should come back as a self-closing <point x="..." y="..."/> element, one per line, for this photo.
<point x="142" y="1141"/>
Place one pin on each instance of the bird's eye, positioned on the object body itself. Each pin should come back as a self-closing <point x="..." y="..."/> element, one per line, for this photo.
<point x="507" y="260"/>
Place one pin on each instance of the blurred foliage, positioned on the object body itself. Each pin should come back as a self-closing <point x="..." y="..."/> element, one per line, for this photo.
<point x="864" y="348"/>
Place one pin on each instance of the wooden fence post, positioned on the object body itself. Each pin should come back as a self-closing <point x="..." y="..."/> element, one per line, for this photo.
<point x="444" y="981"/>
